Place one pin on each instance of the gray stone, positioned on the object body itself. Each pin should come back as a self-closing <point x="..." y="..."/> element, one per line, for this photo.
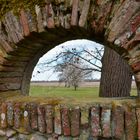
<point x="84" y="135"/>
<point x="10" y="133"/>
<point x="138" y="30"/>
<point x="76" y="138"/>
<point x="14" y="138"/>
<point x="64" y="138"/>
<point x="38" y="137"/>
<point x="93" y="138"/>
<point x="128" y="35"/>
<point x="23" y="137"/>
<point x="2" y="133"/>
<point x="117" y="42"/>
<point x="57" y="121"/>
<point x="3" y="138"/>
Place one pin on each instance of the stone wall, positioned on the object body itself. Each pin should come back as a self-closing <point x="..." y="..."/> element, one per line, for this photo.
<point x="32" y="121"/>
<point x="32" y="29"/>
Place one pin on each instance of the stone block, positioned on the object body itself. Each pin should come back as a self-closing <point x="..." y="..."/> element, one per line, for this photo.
<point x="2" y="133"/>
<point x="17" y="115"/>
<point x="95" y="121"/>
<point x="57" y="121"/>
<point x="64" y="138"/>
<point x="106" y="121"/>
<point x="75" y="121"/>
<point x="10" y="114"/>
<point x="27" y="115"/>
<point x="38" y="137"/>
<point x="130" y="123"/>
<point x="41" y="119"/>
<point x="34" y="117"/>
<point x="10" y="133"/>
<point x="3" y="116"/>
<point x="85" y="118"/>
<point x="23" y="137"/>
<point x="138" y="120"/>
<point x="66" y="121"/>
<point x="118" y="122"/>
<point x="49" y="114"/>
<point x="84" y="135"/>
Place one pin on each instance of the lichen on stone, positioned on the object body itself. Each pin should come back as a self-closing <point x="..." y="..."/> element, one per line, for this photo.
<point x="17" y="5"/>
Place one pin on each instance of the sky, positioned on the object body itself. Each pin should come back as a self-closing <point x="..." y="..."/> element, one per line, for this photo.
<point x="42" y="73"/>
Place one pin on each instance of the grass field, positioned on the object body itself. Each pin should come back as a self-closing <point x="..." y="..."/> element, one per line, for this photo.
<point x="82" y="95"/>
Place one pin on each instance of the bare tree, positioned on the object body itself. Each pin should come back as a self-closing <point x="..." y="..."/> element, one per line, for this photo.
<point x="72" y="68"/>
<point x="115" y="73"/>
<point x="74" y="64"/>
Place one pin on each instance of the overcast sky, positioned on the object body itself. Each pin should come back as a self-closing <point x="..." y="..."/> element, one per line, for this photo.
<point x="50" y="75"/>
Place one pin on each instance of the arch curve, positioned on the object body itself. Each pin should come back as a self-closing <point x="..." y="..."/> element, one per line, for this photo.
<point x="35" y="29"/>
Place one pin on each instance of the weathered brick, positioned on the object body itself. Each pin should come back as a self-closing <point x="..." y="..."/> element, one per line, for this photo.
<point x="95" y="121"/>
<point x="75" y="122"/>
<point x="138" y="119"/>
<point x="41" y="119"/>
<point x="39" y="19"/>
<point x="65" y="121"/>
<point x="57" y="121"/>
<point x="106" y="121"/>
<point x="64" y="138"/>
<point x="24" y="22"/>
<point x="130" y="123"/>
<point x="49" y="113"/>
<point x="34" y="117"/>
<point x="84" y="134"/>
<point x="118" y="122"/>
<point x="85" y="118"/>
<point x="3" y="115"/>
<point x="26" y="115"/>
<point x="53" y="137"/>
<point x="17" y="115"/>
<point x="10" y="114"/>
<point x="50" y="19"/>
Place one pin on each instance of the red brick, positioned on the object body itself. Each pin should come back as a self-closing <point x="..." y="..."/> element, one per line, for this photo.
<point x="65" y="121"/>
<point x="57" y="121"/>
<point x="49" y="112"/>
<point x="106" y="121"/>
<point x="24" y="22"/>
<point x="41" y="119"/>
<point x="26" y="115"/>
<point x="95" y="121"/>
<point x="17" y="115"/>
<point x="3" y="115"/>
<point x="130" y="123"/>
<point x="138" y="119"/>
<point x="75" y="122"/>
<point x="34" y="117"/>
<point x="118" y="122"/>
<point x="10" y="114"/>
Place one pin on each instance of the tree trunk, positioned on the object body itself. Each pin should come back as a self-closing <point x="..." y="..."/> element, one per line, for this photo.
<point x="116" y="76"/>
<point x="137" y="80"/>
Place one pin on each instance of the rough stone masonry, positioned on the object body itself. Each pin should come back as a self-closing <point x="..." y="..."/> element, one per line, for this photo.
<point x="33" y="121"/>
<point x="30" y="29"/>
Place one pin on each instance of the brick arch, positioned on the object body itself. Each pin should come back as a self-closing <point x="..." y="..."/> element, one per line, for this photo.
<point x="26" y="36"/>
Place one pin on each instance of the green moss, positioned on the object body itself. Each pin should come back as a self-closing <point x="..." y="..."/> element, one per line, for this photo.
<point x="17" y="5"/>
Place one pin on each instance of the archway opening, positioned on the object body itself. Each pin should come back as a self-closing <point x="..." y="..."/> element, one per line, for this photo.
<point x="55" y="75"/>
<point x="71" y="70"/>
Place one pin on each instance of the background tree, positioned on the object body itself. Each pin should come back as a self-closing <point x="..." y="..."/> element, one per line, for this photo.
<point x="116" y="75"/>
<point x="72" y="67"/>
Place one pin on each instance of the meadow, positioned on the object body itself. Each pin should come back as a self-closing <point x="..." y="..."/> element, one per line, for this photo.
<point x="81" y="95"/>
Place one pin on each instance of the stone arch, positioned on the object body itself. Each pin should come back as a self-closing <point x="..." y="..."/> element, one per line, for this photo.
<point x="24" y="37"/>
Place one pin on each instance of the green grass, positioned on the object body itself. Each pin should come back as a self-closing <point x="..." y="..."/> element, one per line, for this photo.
<point x="64" y="92"/>
<point x="82" y="95"/>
